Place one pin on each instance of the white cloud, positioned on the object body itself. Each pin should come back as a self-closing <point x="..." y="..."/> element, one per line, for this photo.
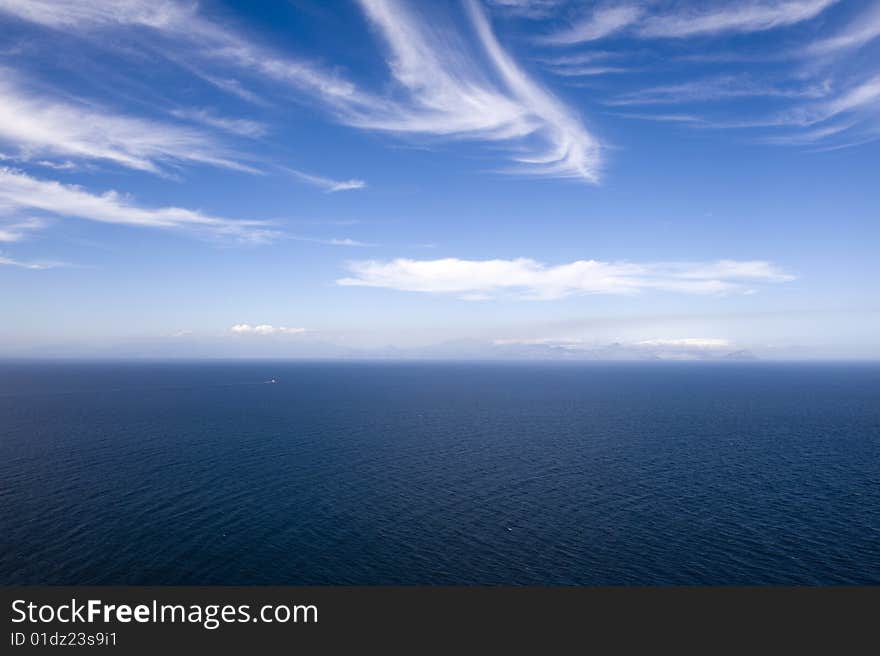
<point x="865" y="28"/>
<point x="719" y="88"/>
<point x="582" y="71"/>
<point x="80" y="13"/>
<point x="580" y="58"/>
<point x="241" y="126"/>
<point x="666" y="118"/>
<point x="328" y="185"/>
<point x="861" y="97"/>
<point x="332" y="241"/>
<point x="603" y="22"/>
<point x="570" y="150"/>
<point x="698" y="20"/>
<point x="66" y="165"/>
<point x="448" y="93"/>
<point x="808" y="136"/>
<point x="526" y="8"/>
<point x="18" y="229"/>
<point x="19" y="191"/>
<point x="38" y="265"/>
<point x="44" y="127"/>
<point x="528" y="279"/>
<point x="191" y="41"/>
<point x="733" y="17"/>
<point x="865" y="94"/>
<point x="265" y="329"/>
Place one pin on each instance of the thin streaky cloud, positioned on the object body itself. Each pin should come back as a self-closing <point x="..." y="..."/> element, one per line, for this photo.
<point x="571" y="151"/>
<point x="603" y="22"/>
<point x="529" y="279"/>
<point x="579" y="58"/>
<point x="860" y="31"/>
<point x="18" y="230"/>
<point x="743" y="17"/>
<point x="66" y="165"/>
<point x="526" y="8"/>
<point x="33" y="265"/>
<point x="449" y="94"/>
<point x="865" y="94"/>
<point x="715" y="89"/>
<point x="327" y="184"/>
<point x="809" y="136"/>
<point x="229" y="85"/>
<point x="240" y="126"/>
<point x="733" y="57"/>
<point x="585" y="71"/>
<point x="332" y="241"/>
<point x="189" y="35"/>
<point x="102" y="13"/>
<point x="45" y="127"/>
<point x="706" y="19"/>
<point x="663" y="118"/>
<point x="870" y="138"/>
<point x="863" y="97"/>
<point x="21" y="192"/>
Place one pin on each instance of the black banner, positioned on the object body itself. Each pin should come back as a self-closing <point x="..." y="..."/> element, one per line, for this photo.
<point x="133" y="620"/>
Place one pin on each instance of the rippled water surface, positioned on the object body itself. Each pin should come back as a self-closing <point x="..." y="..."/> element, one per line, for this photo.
<point x="363" y="473"/>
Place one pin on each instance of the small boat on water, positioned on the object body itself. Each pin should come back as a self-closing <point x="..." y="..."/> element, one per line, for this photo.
<point x="272" y="381"/>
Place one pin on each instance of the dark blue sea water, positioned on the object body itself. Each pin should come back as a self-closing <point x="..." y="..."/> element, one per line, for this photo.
<point x="366" y="473"/>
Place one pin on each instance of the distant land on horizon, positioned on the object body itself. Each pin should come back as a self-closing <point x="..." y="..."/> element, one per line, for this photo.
<point x="451" y="350"/>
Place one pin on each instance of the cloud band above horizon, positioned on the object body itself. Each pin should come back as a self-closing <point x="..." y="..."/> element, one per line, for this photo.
<point x="527" y="279"/>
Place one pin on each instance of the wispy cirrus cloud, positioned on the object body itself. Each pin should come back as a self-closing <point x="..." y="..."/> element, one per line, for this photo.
<point x="862" y="97"/>
<point x="525" y="278"/>
<point x="19" y="229"/>
<point x="240" y="126"/>
<point x="812" y="112"/>
<point x="679" y="21"/>
<point x="807" y="137"/>
<point x="327" y="184"/>
<point x="570" y="150"/>
<point x="78" y="13"/>
<point x="687" y="119"/>
<point x="44" y="127"/>
<point x="724" y="87"/>
<point x="38" y="265"/>
<point x="801" y="87"/>
<point x="585" y="71"/>
<point x="714" y="18"/>
<point x="604" y="21"/>
<point x="526" y="8"/>
<point x="450" y="94"/>
<point x="21" y="192"/>
<point x="332" y="241"/>
<point x="858" y="32"/>
<point x="446" y="94"/>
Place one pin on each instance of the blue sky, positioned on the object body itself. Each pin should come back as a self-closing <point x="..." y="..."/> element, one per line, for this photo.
<point x="304" y="178"/>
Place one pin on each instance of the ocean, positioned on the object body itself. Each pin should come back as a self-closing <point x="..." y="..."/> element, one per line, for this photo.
<point x="439" y="473"/>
